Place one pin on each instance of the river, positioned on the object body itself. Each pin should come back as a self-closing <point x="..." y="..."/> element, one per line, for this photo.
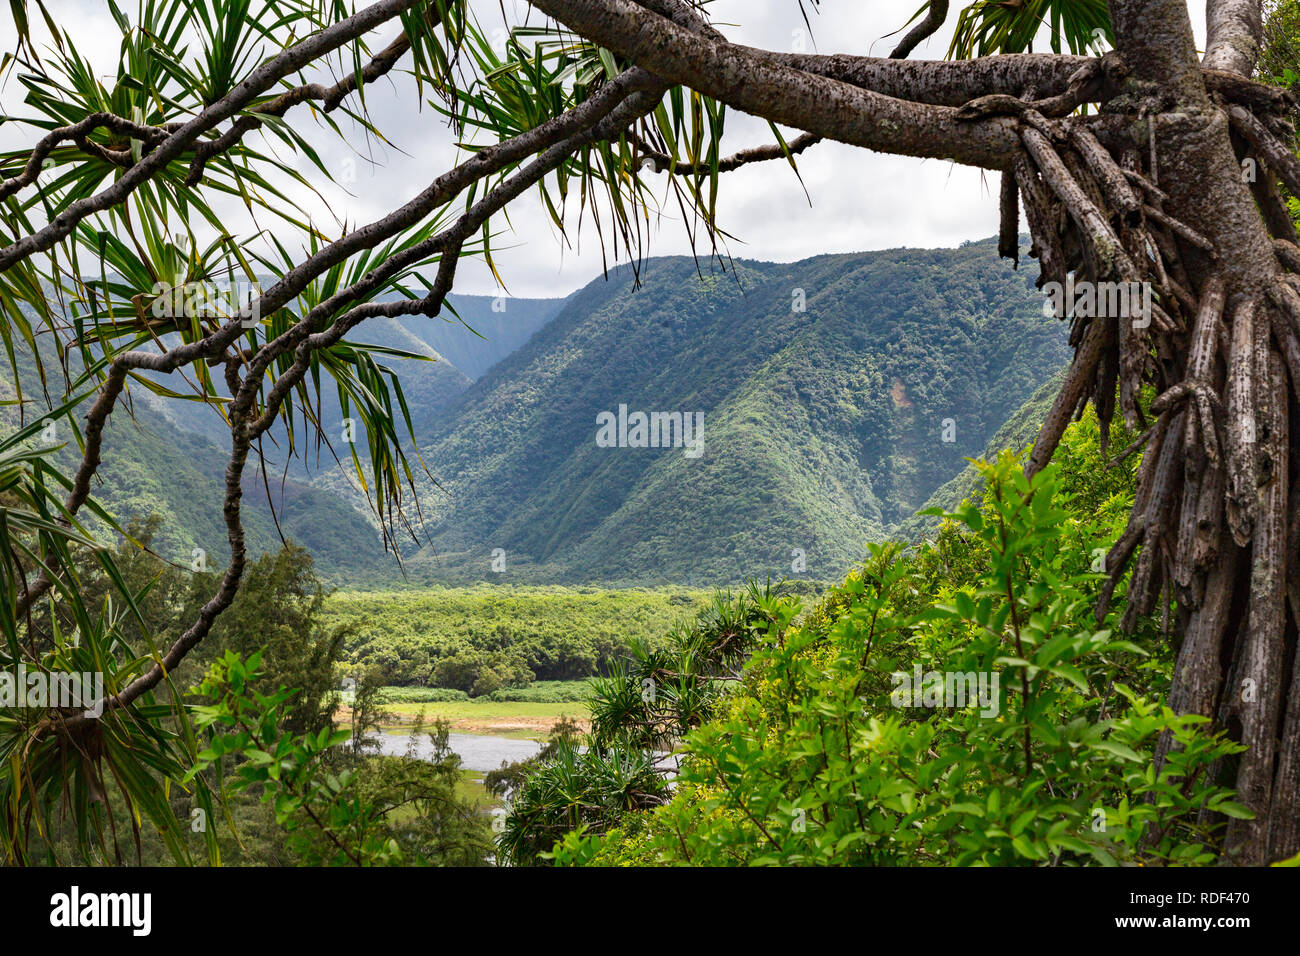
<point x="476" y="751"/>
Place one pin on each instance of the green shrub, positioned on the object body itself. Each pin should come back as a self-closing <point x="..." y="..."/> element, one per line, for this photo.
<point x="823" y="758"/>
<point x="546" y="692"/>
<point x="421" y="695"/>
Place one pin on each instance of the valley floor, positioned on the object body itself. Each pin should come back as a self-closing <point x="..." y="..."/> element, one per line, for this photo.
<point x="518" y="720"/>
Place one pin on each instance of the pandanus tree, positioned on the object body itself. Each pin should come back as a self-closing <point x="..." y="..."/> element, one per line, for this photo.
<point x="1146" y="167"/>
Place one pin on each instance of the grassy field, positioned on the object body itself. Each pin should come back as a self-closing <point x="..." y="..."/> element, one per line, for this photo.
<point x="523" y="720"/>
<point x="471" y="788"/>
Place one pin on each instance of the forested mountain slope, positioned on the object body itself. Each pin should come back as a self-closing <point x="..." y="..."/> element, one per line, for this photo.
<point x="477" y="331"/>
<point x="836" y="394"/>
<point x="153" y="467"/>
<point x="1016" y="434"/>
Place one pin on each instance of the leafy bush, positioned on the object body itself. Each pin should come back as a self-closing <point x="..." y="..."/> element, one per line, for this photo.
<point x="421" y="695"/>
<point x="826" y="757"/>
<point x="545" y="692"/>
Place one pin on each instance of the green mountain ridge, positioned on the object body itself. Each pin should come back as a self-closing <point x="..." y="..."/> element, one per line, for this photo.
<point x="824" y="427"/>
<point x="152" y="467"/>
<point x="827" y="389"/>
<point x="478" y="330"/>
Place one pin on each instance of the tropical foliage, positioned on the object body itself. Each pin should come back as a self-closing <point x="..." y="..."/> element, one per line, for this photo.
<point x="147" y="204"/>
<point x="332" y="815"/>
<point x="817" y="757"/>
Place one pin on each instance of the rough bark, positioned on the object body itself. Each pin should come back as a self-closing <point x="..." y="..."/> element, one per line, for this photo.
<point x="1234" y="30"/>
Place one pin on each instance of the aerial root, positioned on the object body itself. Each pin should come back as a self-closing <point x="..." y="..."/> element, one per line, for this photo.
<point x="1077" y="380"/>
<point x="1242" y="467"/>
<point x="1165" y="483"/>
<point x="1273" y="151"/>
<point x="1288" y="254"/>
<point x="1110" y="177"/>
<point x="1009" y="219"/>
<point x="1173" y="225"/>
<point x="1262" y="651"/>
<point x="1211" y="473"/>
<point x="1133" y="447"/>
<point x="1042" y="211"/>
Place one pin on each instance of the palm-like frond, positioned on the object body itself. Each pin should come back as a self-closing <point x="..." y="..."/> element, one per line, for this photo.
<point x="87" y="791"/>
<point x="987" y="27"/>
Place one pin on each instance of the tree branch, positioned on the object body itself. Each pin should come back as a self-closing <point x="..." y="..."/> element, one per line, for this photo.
<point x="934" y="18"/>
<point x="330" y="96"/>
<point x="758" y="83"/>
<point x="1234" y="31"/>
<point x="77" y="132"/>
<point x="662" y="162"/>
<point x="257" y="82"/>
<point x="617" y="105"/>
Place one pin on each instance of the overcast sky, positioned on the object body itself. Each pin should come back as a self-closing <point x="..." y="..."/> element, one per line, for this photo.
<point x="855" y="200"/>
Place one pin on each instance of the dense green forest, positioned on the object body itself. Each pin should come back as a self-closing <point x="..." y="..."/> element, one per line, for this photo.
<point x="1016" y="434"/>
<point x="483" y="638"/>
<point x="414" y="647"/>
